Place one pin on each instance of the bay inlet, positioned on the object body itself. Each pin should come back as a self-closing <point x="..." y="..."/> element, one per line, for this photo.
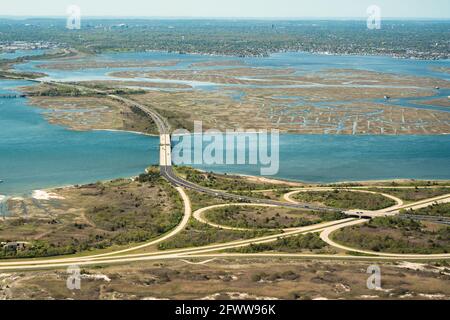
<point x="37" y="155"/>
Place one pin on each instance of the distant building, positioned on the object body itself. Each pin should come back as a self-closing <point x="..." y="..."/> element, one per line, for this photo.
<point x="119" y="26"/>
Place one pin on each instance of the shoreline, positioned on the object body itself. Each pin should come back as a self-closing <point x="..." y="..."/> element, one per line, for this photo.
<point x="277" y="180"/>
<point x="303" y="182"/>
<point x="259" y="179"/>
<point x="269" y="53"/>
<point x="4" y="205"/>
<point x="127" y="131"/>
<point x="239" y="131"/>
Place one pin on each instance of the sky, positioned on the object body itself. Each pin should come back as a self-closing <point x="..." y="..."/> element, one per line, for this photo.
<point x="230" y="8"/>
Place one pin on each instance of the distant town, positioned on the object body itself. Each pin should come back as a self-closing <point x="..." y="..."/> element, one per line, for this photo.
<point x="11" y="47"/>
<point x="101" y="199"/>
<point x="401" y="39"/>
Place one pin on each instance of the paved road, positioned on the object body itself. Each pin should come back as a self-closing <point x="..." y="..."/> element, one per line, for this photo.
<point x="420" y="204"/>
<point x="168" y="173"/>
<point x="158" y="255"/>
<point x="175" y="231"/>
<point x="166" y="162"/>
<point x="390" y="211"/>
<point x="288" y="196"/>
<point x="209" y="250"/>
<point x="325" y="236"/>
<point x="199" y="215"/>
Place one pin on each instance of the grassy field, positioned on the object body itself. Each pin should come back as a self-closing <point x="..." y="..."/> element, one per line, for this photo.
<point x="94" y="216"/>
<point x="275" y="194"/>
<point x="294" y="110"/>
<point x="232" y="183"/>
<point x="396" y="235"/>
<point x="200" y="200"/>
<point x="267" y="218"/>
<point x="416" y="194"/>
<point x="440" y="210"/>
<point x="88" y="113"/>
<point x="309" y="242"/>
<point x="392" y="183"/>
<point x="291" y="279"/>
<point x="199" y="234"/>
<point x="345" y="199"/>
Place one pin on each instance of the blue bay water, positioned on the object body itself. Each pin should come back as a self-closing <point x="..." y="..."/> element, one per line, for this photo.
<point x="301" y="62"/>
<point x="335" y="158"/>
<point x="35" y="154"/>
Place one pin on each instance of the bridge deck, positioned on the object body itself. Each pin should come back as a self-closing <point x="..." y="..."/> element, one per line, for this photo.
<point x="165" y="153"/>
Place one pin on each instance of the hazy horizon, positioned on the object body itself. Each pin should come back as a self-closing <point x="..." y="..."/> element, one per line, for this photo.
<point x="23" y="17"/>
<point x="231" y="9"/>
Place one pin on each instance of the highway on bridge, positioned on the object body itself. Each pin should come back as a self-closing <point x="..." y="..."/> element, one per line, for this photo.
<point x="211" y="251"/>
<point x="168" y="173"/>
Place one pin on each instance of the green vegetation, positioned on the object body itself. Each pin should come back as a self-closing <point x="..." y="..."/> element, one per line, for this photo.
<point x="440" y="210"/>
<point x="6" y="64"/>
<point x="144" y="221"/>
<point x="58" y="91"/>
<point x="419" y="39"/>
<point x="200" y="200"/>
<point x="414" y="194"/>
<point x="396" y="235"/>
<point x="20" y="75"/>
<point x="223" y="182"/>
<point x="274" y="194"/>
<point x="393" y="184"/>
<point x="152" y="175"/>
<point x="346" y="199"/>
<point x="95" y="216"/>
<point x="263" y="276"/>
<point x="198" y="234"/>
<point x="417" y="183"/>
<point x="111" y="90"/>
<point x="72" y="90"/>
<point x="309" y="241"/>
<point x="268" y="217"/>
<point x="46" y="56"/>
<point x="177" y="119"/>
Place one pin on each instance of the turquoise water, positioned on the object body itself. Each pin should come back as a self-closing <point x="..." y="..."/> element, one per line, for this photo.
<point x="307" y="62"/>
<point x="35" y="154"/>
<point x="334" y="158"/>
<point x="301" y="62"/>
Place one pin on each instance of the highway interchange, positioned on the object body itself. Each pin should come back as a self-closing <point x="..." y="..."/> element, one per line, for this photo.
<point x="216" y="250"/>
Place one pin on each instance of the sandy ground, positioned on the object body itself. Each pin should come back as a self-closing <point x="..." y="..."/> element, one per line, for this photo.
<point x="44" y="195"/>
<point x="129" y="131"/>
<point x="272" y="181"/>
